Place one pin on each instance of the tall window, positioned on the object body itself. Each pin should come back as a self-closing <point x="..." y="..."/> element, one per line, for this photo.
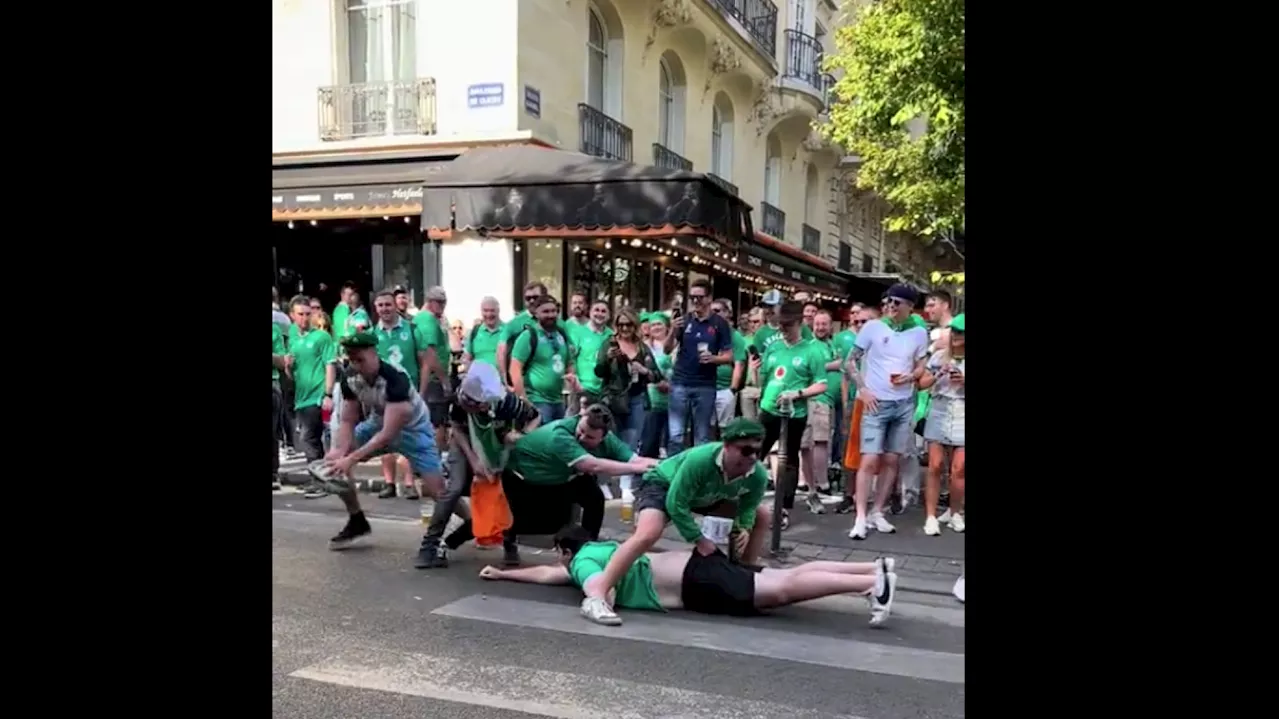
<point x="597" y="61"/>
<point x="380" y="41"/>
<point x="773" y="171"/>
<point x="798" y="15"/>
<point x="716" y="139"/>
<point x="722" y="137"/>
<point x="666" y="104"/>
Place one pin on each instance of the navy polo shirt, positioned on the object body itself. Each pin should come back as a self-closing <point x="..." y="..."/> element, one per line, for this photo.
<point x="718" y="336"/>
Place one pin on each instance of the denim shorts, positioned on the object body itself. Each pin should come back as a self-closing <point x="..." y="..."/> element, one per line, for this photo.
<point x="416" y="444"/>
<point x="888" y="430"/>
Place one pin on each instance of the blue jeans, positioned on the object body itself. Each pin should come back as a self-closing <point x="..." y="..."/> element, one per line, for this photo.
<point x="888" y="430"/>
<point x="630" y="430"/>
<point x="549" y="411"/>
<point x="700" y="402"/>
<point x="416" y="444"/>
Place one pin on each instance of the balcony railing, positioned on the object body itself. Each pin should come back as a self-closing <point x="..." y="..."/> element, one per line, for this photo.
<point x="601" y="135"/>
<point x="773" y="222"/>
<point x="665" y="158"/>
<point x="811" y="240"/>
<point x="727" y="186"/>
<point x="376" y="109"/>
<point x="759" y="17"/>
<point x="804" y="58"/>
<point x="827" y="83"/>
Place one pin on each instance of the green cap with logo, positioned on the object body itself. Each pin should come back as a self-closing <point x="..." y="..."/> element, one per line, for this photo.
<point x="741" y="428"/>
<point x="360" y="340"/>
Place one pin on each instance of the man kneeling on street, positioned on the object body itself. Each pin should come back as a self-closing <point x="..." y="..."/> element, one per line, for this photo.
<point x="710" y="584"/>
<point x="555" y="466"/>
<point x="487" y="420"/>
<point x="718" y="479"/>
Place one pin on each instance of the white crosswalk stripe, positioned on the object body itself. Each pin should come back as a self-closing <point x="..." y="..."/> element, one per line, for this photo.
<point x="536" y="691"/>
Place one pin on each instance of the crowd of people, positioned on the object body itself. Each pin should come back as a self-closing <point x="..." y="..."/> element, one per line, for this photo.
<point x="683" y="407"/>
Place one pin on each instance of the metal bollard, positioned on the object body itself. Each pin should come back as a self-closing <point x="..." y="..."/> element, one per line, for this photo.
<point x="787" y="476"/>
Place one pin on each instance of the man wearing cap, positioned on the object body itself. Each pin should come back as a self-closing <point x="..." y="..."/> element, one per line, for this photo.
<point x="396" y="420"/>
<point x="431" y="327"/>
<point x="720" y="479"/>
<point x="403" y="305"/>
<point x="401" y="346"/>
<point x="769" y="329"/>
<point x="888" y="358"/>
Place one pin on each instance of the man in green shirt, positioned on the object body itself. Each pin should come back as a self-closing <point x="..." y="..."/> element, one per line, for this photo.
<point x="815" y="445"/>
<point x="532" y="292"/>
<point x="729" y="376"/>
<point x="710" y="584"/>
<point x="770" y="330"/>
<point x="542" y="360"/>
<point x="792" y="371"/>
<point x="343" y="310"/>
<point x="431" y="328"/>
<point x="718" y="479"/>
<point x="400" y="346"/>
<point x="587" y="338"/>
<point x="357" y="317"/>
<point x="277" y="362"/>
<point x="553" y="467"/>
<point x="483" y="341"/>
<point x="311" y="353"/>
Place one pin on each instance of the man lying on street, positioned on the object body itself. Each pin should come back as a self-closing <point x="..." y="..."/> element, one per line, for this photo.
<point x="396" y="421"/>
<point x="555" y="466"/>
<point x="487" y="420"/>
<point x="710" y="584"/>
<point x="719" y="479"/>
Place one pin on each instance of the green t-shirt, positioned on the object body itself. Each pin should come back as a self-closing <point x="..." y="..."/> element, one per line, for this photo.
<point x="724" y="372"/>
<point x="547" y="454"/>
<point x="764" y="337"/>
<point x="340" y="314"/>
<point x="586" y="346"/>
<point x="431" y="332"/>
<point x="791" y="368"/>
<point x="634" y="591"/>
<point x="399" y="347"/>
<point x="544" y="373"/>
<point x="833" y="376"/>
<point x="660" y="400"/>
<point x="277" y="348"/>
<point x="482" y="343"/>
<point x="842" y="344"/>
<point x="312" y="352"/>
<point x="694" y="479"/>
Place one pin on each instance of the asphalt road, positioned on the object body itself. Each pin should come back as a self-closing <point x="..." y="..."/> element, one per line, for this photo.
<point x="361" y="633"/>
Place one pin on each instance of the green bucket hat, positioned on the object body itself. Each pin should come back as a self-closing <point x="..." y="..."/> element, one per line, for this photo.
<point x="957" y="323"/>
<point x="360" y="340"/>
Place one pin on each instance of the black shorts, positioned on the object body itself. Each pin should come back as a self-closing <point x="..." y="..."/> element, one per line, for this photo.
<point x="715" y="585"/>
<point x="652" y="495"/>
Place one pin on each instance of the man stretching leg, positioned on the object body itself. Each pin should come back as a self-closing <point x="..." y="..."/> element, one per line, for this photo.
<point x="709" y="584"/>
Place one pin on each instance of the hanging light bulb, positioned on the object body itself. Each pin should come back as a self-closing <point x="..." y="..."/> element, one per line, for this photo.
<point x="314" y="223"/>
<point x="291" y="224"/>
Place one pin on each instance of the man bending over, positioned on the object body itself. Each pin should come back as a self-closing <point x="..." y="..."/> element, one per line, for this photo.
<point x="709" y="584"/>
<point x="718" y="479"/>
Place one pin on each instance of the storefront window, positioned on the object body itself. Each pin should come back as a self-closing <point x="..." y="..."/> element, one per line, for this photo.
<point x="621" y="283"/>
<point x="397" y="267"/>
<point x="543" y="264"/>
<point x="641" y="283"/>
<point x="672" y="288"/>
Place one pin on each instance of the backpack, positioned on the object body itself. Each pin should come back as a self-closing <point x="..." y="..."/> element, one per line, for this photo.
<point x="533" y="344"/>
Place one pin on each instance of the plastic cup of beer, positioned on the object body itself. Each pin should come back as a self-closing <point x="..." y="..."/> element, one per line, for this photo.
<point x="626" y="512"/>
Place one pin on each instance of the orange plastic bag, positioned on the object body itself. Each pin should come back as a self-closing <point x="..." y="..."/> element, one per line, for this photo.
<point x="852" y="449"/>
<point x="490" y="513"/>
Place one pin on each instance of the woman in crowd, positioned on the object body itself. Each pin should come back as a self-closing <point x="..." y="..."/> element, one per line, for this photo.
<point x="626" y="367"/>
<point x="944" y="430"/>
<point x="653" y="437"/>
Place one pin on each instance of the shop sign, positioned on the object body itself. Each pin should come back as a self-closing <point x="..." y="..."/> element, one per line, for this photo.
<point x="345" y="197"/>
<point x="532" y="101"/>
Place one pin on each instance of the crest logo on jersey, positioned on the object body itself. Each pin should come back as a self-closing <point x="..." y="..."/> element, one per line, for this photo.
<point x="780" y="372"/>
<point x="796" y="361"/>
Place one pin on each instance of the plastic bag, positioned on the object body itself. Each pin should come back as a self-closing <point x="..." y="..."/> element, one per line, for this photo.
<point x="490" y="513"/>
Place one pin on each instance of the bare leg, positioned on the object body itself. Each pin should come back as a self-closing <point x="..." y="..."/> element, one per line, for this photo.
<point x="888" y="478"/>
<point x="807" y="477"/>
<point x="933" y="482"/>
<point x="867" y="469"/>
<point x="402" y="467"/>
<point x="778" y="589"/>
<point x="835" y="568"/>
<point x="819" y="457"/>
<point x="389" y="470"/>
<point x="759" y="532"/>
<point x="649" y="526"/>
<point x="957" y="480"/>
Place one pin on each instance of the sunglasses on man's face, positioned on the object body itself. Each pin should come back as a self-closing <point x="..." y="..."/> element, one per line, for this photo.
<point x="859" y="323"/>
<point x="748" y="450"/>
<point x="698" y="298"/>
<point x="530" y="298"/>
<point x="624" y="325"/>
<point x="894" y="302"/>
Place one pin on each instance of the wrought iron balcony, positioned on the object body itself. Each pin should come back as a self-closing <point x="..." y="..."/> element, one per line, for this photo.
<point x="601" y="135"/>
<point x="773" y="222"/>
<point x="759" y="17"/>
<point x="375" y="109"/>
<point x="811" y="240"/>
<point x="828" y="87"/>
<point x="804" y="58"/>
<point x="727" y="186"/>
<point x="665" y="158"/>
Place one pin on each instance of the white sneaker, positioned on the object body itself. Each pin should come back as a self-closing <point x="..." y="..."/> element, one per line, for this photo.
<point x="859" y="530"/>
<point x="957" y="522"/>
<point x="945" y="517"/>
<point x="882" y="597"/>
<point x="881" y="524"/>
<point x="931" y="527"/>
<point x="598" y="611"/>
<point x="958" y="589"/>
<point x="815" y="503"/>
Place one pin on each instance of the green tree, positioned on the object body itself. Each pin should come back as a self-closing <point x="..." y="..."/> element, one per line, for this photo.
<point x="900" y="107"/>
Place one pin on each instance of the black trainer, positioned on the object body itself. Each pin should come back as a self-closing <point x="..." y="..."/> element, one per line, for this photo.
<point x="510" y="555"/>
<point x="845" y="506"/>
<point x="431" y="556"/>
<point x="411" y="494"/>
<point x="388" y="492"/>
<point x="459" y="536"/>
<point x="895" y="504"/>
<point x="357" y="527"/>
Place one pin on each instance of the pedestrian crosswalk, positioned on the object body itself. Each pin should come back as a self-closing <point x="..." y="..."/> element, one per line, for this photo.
<point x="547" y="661"/>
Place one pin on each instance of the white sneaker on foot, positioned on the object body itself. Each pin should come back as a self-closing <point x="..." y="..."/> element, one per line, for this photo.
<point x="859" y="530"/>
<point x="882" y="597"/>
<point x="957" y="522"/>
<point x="958" y="589"/>
<point x="881" y="524"/>
<point x="945" y="517"/>
<point x="931" y="527"/>
<point x="815" y="503"/>
<point x="598" y="611"/>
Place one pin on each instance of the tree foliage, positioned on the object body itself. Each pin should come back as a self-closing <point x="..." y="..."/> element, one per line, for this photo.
<point x="903" y="62"/>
